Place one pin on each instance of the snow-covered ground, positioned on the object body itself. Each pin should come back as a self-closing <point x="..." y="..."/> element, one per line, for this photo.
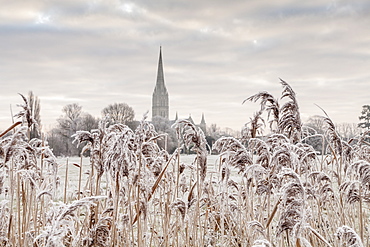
<point x="74" y="170"/>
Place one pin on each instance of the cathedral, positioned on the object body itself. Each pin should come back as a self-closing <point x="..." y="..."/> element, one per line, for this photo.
<point x="160" y="99"/>
<point x="160" y="102"/>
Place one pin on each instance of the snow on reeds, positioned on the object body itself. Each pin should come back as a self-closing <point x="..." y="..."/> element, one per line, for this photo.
<point x="262" y="191"/>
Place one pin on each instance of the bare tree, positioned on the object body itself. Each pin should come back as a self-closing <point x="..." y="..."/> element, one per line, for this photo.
<point x="88" y="122"/>
<point x="314" y="130"/>
<point x="72" y="120"/>
<point x="119" y="113"/>
<point x="348" y="130"/>
<point x="69" y="124"/>
<point x="214" y="131"/>
<point x="317" y="123"/>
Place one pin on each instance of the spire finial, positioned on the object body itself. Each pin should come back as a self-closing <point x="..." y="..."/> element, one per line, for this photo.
<point x="160" y="76"/>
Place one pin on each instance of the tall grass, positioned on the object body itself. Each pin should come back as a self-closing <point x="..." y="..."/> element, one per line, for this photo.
<point x="136" y="194"/>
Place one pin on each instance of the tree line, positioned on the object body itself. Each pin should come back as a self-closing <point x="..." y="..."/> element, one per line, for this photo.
<point x="73" y="119"/>
<point x="315" y="125"/>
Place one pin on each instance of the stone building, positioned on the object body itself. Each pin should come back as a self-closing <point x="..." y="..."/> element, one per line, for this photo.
<point x="160" y="101"/>
<point x="160" y="98"/>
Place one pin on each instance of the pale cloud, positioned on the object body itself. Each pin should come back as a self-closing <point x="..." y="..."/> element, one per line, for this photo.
<point x="216" y="54"/>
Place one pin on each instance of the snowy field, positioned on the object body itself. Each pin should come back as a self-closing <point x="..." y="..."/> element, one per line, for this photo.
<point x="73" y="170"/>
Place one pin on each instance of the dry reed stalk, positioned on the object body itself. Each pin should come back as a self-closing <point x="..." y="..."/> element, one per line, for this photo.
<point x="298" y="243"/>
<point x="11" y="234"/>
<point x="318" y="235"/>
<point x="268" y="213"/>
<point x="215" y="213"/>
<point x="10" y="128"/>
<point x="97" y="193"/>
<point x="66" y="183"/>
<point x="19" y="210"/>
<point x="130" y="211"/>
<point x="138" y="202"/>
<point x="28" y="208"/>
<point x="178" y="172"/>
<point x="79" y="179"/>
<point x="152" y="229"/>
<point x="42" y="155"/>
<point x="161" y="212"/>
<point x="116" y="212"/>
<point x="360" y="215"/>
<point x="79" y="193"/>
<point x="167" y="216"/>
<point x="199" y="191"/>
<point x="35" y="219"/>
<point x="42" y="215"/>
<point x="155" y="185"/>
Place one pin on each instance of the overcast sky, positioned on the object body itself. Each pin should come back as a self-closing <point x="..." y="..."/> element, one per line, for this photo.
<point x="215" y="54"/>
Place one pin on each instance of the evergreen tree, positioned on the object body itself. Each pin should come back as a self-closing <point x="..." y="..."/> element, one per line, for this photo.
<point x="365" y="117"/>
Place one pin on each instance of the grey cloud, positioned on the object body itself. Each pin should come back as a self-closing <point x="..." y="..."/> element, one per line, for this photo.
<point x="216" y="54"/>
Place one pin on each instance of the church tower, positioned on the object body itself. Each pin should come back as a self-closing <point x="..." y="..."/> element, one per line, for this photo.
<point x="160" y="102"/>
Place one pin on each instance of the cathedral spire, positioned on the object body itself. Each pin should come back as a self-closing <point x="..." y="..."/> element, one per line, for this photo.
<point x="203" y="125"/>
<point x="160" y="75"/>
<point x="203" y="121"/>
<point x="160" y="102"/>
